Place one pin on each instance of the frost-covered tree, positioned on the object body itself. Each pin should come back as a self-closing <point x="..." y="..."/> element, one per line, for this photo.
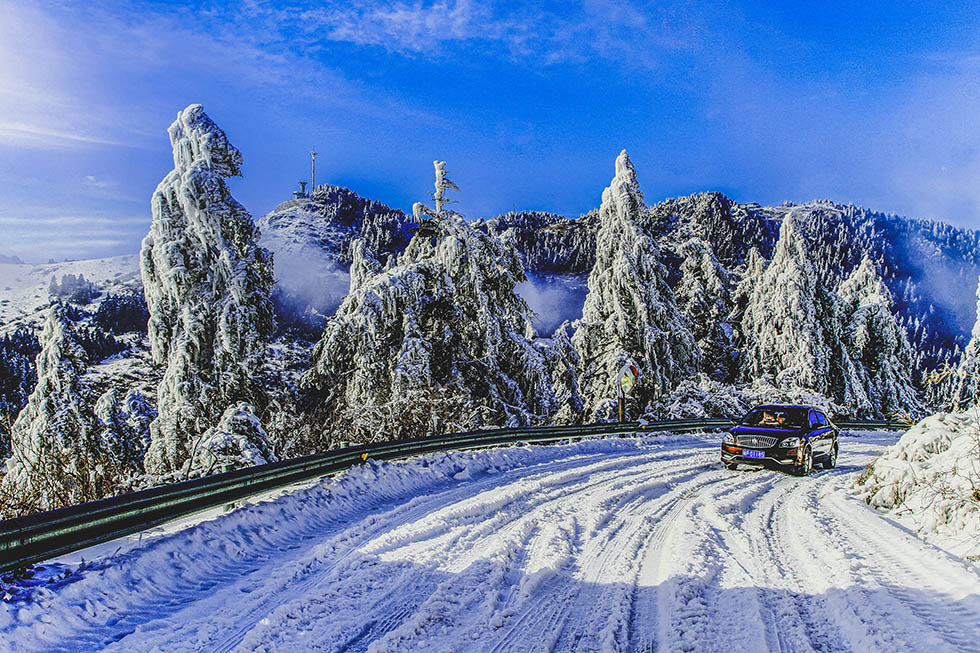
<point x="237" y="440"/>
<point x="442" y="183"/>
<point x="363" y="266"/>
<point x="630" y="316"/>
<point x="123" y="313"/>
<point x="752" y="271"/>
<point x="781" y="322"/>
<point x="123" y="427"/>
<point x="877" y="344"/>
<point x="208" y="288"/>
<point x="966" y="383"/>
<point x="18" y="376"/>
<point x="76" y="290"/>
<point x="564" y="362"/>
<point x="54" y="455"/>
<point x="846" y="379"/>
<point x="427" y="220"/>
<point x="704" y="296"/>
<point x="434" y="342"/>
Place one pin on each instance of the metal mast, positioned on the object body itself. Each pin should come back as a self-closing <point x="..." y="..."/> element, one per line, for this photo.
<point x="313" y="176"/>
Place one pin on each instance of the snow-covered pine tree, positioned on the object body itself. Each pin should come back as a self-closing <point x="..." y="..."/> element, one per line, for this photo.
<point x="877" y="344"/>
<point x="123" y="428"/>
<point x="563" y="362"/>
<point x="966" y="384"/>
<point x="845" y="375"/>
<point x="54" y="455"/>
<point x="704" y="296"/>
<point x="237" y="440"/>
<point x="208" y="288"/>
<point x="434" y="343"/>
<point x="781" y="327"/>
<point x="751" y="276"/>
<point x="630" y="316"/>
<point x="939" y="383"/>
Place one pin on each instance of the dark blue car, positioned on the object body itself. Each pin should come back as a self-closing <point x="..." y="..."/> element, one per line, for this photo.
<point x="793" y="438"/>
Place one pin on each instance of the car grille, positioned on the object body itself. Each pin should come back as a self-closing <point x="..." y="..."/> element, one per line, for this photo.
<point x="761" y="441"/>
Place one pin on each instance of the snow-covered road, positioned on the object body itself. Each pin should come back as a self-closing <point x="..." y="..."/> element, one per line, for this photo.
<point x="612" y="545"/>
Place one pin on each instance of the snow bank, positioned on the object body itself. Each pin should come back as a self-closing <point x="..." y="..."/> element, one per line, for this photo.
<point x="930" y="479"/>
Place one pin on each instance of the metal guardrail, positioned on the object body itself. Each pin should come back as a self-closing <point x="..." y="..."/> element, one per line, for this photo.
<point x="873" y="426"/>
<point x="41" y="536"/>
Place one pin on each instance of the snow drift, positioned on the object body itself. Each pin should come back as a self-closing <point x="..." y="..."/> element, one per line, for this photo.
<point x="931" y="477"/>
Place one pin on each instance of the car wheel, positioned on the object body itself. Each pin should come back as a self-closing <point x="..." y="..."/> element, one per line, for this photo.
<point x="731" y="465"/>
<point x="807" y="465"/>
<point x="831" y="459"/>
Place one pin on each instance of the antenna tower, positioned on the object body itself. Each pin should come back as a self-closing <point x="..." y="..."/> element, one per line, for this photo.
<point x="313" y="176"/>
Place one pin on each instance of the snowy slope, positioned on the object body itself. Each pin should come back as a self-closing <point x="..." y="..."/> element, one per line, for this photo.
<point x="602" y="545"/>
<point x="930" y="480"/>
<point x="24" y="288"/>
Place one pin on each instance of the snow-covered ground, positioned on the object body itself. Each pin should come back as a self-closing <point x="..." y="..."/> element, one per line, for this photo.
<point x="930" y="480"/>
<point x="615" y="544"/>
<point x="24" y="288"/>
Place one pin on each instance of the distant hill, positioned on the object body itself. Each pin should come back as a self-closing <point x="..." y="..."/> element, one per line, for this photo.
<point x="25" y="289"/>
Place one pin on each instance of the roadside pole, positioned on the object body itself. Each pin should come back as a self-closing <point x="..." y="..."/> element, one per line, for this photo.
<point x="625" y="381"/>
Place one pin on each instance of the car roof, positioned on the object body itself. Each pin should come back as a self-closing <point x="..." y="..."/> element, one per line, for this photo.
<point x="785" y="406"/>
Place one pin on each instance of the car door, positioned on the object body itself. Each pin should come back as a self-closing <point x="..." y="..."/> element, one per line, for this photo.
<point x="830" y="434"/>
<point x="818" y="435"/>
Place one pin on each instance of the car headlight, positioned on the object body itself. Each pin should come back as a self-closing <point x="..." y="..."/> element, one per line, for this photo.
<point x="728" y="439"/>
<point x="790" y="442"/>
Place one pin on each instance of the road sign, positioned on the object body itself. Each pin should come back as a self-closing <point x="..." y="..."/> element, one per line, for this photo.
<point x="625" y="381"/>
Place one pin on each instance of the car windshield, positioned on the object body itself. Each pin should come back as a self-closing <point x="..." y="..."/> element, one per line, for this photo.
<point x="775" y="418"/>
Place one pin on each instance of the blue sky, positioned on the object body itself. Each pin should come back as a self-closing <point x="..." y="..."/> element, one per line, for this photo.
<point x="875" y="103"/>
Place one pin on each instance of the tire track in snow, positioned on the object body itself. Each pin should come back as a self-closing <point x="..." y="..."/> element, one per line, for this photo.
<point x="457" y="512"/>
<point x="545" y="606"/>
<point x="937" y="621"/>
<point x="436" y="536"/>
<point x="271" y="560"/>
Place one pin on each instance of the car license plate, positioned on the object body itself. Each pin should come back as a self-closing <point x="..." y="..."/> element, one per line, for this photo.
<point x="753" y="454"/>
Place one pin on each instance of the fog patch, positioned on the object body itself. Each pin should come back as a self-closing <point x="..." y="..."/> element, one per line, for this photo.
<point x="310" y="280"/>
<point x="953" y="288"/>
<point x="553" y="299"/>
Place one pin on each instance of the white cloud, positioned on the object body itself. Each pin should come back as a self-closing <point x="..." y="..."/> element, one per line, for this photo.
<point x="94" y="182"/>
<point x="84" y="75"/>
<point x="36" y="236"/>
<point x="40" y="221"/>
<point x="627" y="33"/>
<point x="36" y="135"/>
<point x="407" y="27"/>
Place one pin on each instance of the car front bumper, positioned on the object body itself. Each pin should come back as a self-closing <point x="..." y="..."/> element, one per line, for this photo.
<point x="732" y="455"/>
